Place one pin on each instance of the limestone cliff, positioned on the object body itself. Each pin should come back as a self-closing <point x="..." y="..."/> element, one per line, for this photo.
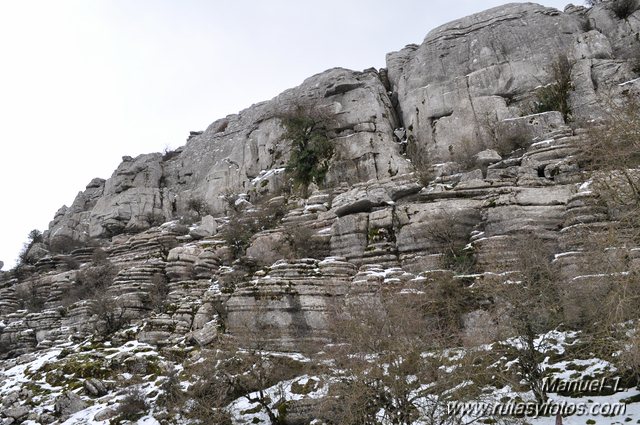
<point x="444" y="137"/>
<point x="468" y="83"/>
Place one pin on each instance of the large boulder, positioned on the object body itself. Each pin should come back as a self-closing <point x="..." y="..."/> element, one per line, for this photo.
<point x="68" y="403"/>
<point x="208" y="227"/>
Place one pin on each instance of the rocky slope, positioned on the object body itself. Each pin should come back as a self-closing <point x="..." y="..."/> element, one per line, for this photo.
<point x="418" y="146"/>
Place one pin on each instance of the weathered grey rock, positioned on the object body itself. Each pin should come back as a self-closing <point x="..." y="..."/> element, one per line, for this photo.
<point x="69" y="403"/>
<point x="592" y="45"/>
<point x="487" y="157"/>
<point x="619" y="32"/>
<point x="471" y="177"/>
<point x="105" y="414"/>
<point x="207" y="334"/>
<point x="462" y="90"/>
<point x="243" y="153"/>
<point x="95" y="387"/>
<point x="443" y="101"/>
<point x="181" y="261"/>
<point x="36" y="252"/>
<point x="349" y="236"/>
<point x="10" y="398"/>
<point x="468" y="83"/>
<point x="269" y="247"/>
<point x="17" y="413"/>
<point x="290" y="306"/>
<point x="366" y="196"/>
<point x="471" y="73"/>
<point x="524" y="129"/>
<point x="208" y="227"/>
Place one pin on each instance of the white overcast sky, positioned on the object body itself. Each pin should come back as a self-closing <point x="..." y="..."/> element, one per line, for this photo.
<point x="84" y="82"/>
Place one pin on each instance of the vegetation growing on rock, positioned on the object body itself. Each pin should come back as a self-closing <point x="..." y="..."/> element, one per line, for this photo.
<point x="369" y="297"/>
<point x="307" y="127"/>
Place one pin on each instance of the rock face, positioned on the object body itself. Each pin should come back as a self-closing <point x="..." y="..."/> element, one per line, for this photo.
<point x="459" y="102"/>
<point x="442" y="173"/>
<point x="234" y="153"/>
<point x="483" y="69"/>
<point x="293" y="301"/>
<point x="461" y="91"/>
<point x="243" y="153"/>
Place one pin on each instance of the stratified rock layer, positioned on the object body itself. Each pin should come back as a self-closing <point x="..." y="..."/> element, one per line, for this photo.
<point x="443" y="145"/>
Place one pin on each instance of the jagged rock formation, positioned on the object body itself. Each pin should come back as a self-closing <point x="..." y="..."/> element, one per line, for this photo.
<point x="469" y="80"/>
<point x="419" y="147"/>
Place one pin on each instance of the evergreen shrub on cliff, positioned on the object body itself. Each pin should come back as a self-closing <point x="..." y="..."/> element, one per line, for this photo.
<point x="311" y="151"/>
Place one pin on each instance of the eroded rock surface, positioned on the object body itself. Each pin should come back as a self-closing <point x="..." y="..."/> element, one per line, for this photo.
<point x="442" y="146"/>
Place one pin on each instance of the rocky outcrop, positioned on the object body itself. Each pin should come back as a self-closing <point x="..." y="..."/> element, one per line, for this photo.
<point x="290" y="305"/>
<point x="439" y="163"/>
<point x="243" y="153"/>
<point x="472" y="74"/>
<point x="442" y="178"/>
<point x="469" y="86"/>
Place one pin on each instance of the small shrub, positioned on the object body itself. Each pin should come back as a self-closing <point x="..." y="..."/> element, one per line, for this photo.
<point x="29" y="298"/>
<point x="512" y="143"/>
<point x="109" y="312"/>
<point x="34" y="237"/>
<point x="307" y="129"/>
<point x="304" y="243"/>
<point x="158" y="292"/>
<point x="92" y="280"/>
<point x="64" y="245"/>
<point x="242" y="270"/>
<point x="243" y="225"/>
<point x="169" y="154"/>
<point x="132" y="407"/>
<point x="198" y="206"/>
<point x="453" y="239"/>
<point x="623" y="8"/>
<point x="70" y="263"/>
<point x="615" y="144"/>
<point x="464" y="154"/>
<point x="555" y="96"/>
<point x="230" y="197"/>
<point x="425" y="175"/>
<point x="155" y="219"/>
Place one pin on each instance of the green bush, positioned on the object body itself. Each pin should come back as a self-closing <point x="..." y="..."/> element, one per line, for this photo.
<point x="311" y="151"/>
<point x="35" y="236"/>
<point x="198" y="206"/>
<point x="132" y="407"/>
<point x="555" y="96"/>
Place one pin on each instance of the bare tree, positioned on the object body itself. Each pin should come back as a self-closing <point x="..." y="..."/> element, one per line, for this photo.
<point x="390" y="350"/>
<point x="531" y="302"/>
